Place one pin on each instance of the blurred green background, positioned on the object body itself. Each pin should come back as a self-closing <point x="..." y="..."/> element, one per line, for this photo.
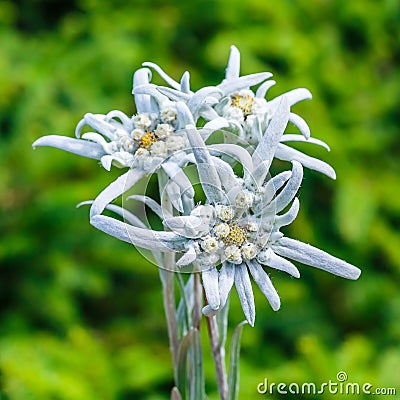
<point x="81" y="314"/>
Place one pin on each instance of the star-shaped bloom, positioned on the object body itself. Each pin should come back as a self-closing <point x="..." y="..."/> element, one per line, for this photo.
<point x="247" y="113"/>
<point x="237" y="232"/>
<point x="151" y="139"/>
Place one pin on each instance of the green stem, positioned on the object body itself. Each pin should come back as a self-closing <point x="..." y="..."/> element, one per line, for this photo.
<point x="198" y="297"/>
<point x="167" y="280"/>
<point x="218" y="353"/>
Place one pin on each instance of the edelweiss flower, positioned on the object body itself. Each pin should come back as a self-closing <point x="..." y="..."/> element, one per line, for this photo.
<point x="238" y="232"/>
<point x="121" y="140"/>
<point x="251" y="237"/>
<point x="246" y="113"/>
<point x="151" y="139"/>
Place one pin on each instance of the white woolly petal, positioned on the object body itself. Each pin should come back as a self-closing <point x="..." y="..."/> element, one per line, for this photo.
<point x="215" y="124"/>
<point x="264" y="283"/>
<point x="152" y="204"/>
<point x="301" y="124"/>
<point x="273" y="185"/>
<point x="235" y="151"/>
<point x="227" y="176"/>
<point x="174" y="95"/>
<point x="145" y="238"/>
<point x="264" y="153"/>
<point x="314" y="257"/>
<point x="115" y="189"/>
<point x="286" y="153"/>
<point x="185" y="116"/>
<point x="287" y="194"/>
<point x="263" y="89"/>
<point x="152" y="91"/>
<point x="174" y="195"/>
<point x="210" y="284"/>
<point x="245" y="292"/>
<point x="209" y="312"/>
<point x="288" y="137"/>
<point x="99" y="123"/>
<point x="106" y="161"/>
<point x="189" y="226"/>
<point x="198" y="99"/>
<point x="209" y="114"/>
<point x="187" y="258"/>
<point x="179" y="177"/>
<point x="163" y="75"/>
<point x="142" y="101"/>
<point x="96" y="138"/>
<point x="128" y="216"/>
<point x="207" y="172"/>
<point x="185" y="82"/>
<point x="233" y="67"/>
<point x="293" y="96"/>
<point x="243" y="82"/>
<point x="288" y="217"/>
<point x="269" y="258"/>
<point x="226" y="280"/>
<point x="72" y="145"/>
<point x="125" y="120"/>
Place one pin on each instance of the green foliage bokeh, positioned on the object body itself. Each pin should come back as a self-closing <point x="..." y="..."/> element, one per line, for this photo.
<point x="81" y="314"/>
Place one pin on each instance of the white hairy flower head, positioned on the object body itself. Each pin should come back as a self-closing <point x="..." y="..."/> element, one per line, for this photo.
<point x="141" y="152"/>
<point x="249" y="251"/>
<point x="233" y="254"/>
<point x="163" y="130"/>
<point x="142" y="121"/>
<point x="158" y="149"/>
<point x="209" y="244"/>
<point x="226" y="213"/>
<point x="137" y="134"/>
<point x="222" y="230"/>
<point x="169" y="115"/>
<point x="243" y="100"/>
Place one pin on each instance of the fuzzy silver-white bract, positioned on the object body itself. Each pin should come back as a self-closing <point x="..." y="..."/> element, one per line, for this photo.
<point x="247" y="113"/>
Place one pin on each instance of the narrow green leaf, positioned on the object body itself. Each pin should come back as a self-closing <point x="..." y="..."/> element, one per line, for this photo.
<point x="175" y="395"/>
<point x="185" y="306"/>
<point x="182" y="362"/>
<point x="190" y="349"/>
<point x="196" y="368"/>
<point x="234" y="361"/>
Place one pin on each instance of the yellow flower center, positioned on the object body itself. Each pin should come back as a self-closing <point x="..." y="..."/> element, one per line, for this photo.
<point x="245" y="103"/>
<point x="237" y="236"/>
<point x="147" y="140"/>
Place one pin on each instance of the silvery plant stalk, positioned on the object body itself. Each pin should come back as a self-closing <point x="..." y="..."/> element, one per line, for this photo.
<point x="235" y="236"/>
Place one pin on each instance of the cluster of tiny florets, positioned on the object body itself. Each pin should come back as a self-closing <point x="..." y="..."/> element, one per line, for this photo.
<point x="244" y="108"/>
<point x="230" y="238"/>
<point x="243" y="100"/>
<point x="155" y="134"/>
